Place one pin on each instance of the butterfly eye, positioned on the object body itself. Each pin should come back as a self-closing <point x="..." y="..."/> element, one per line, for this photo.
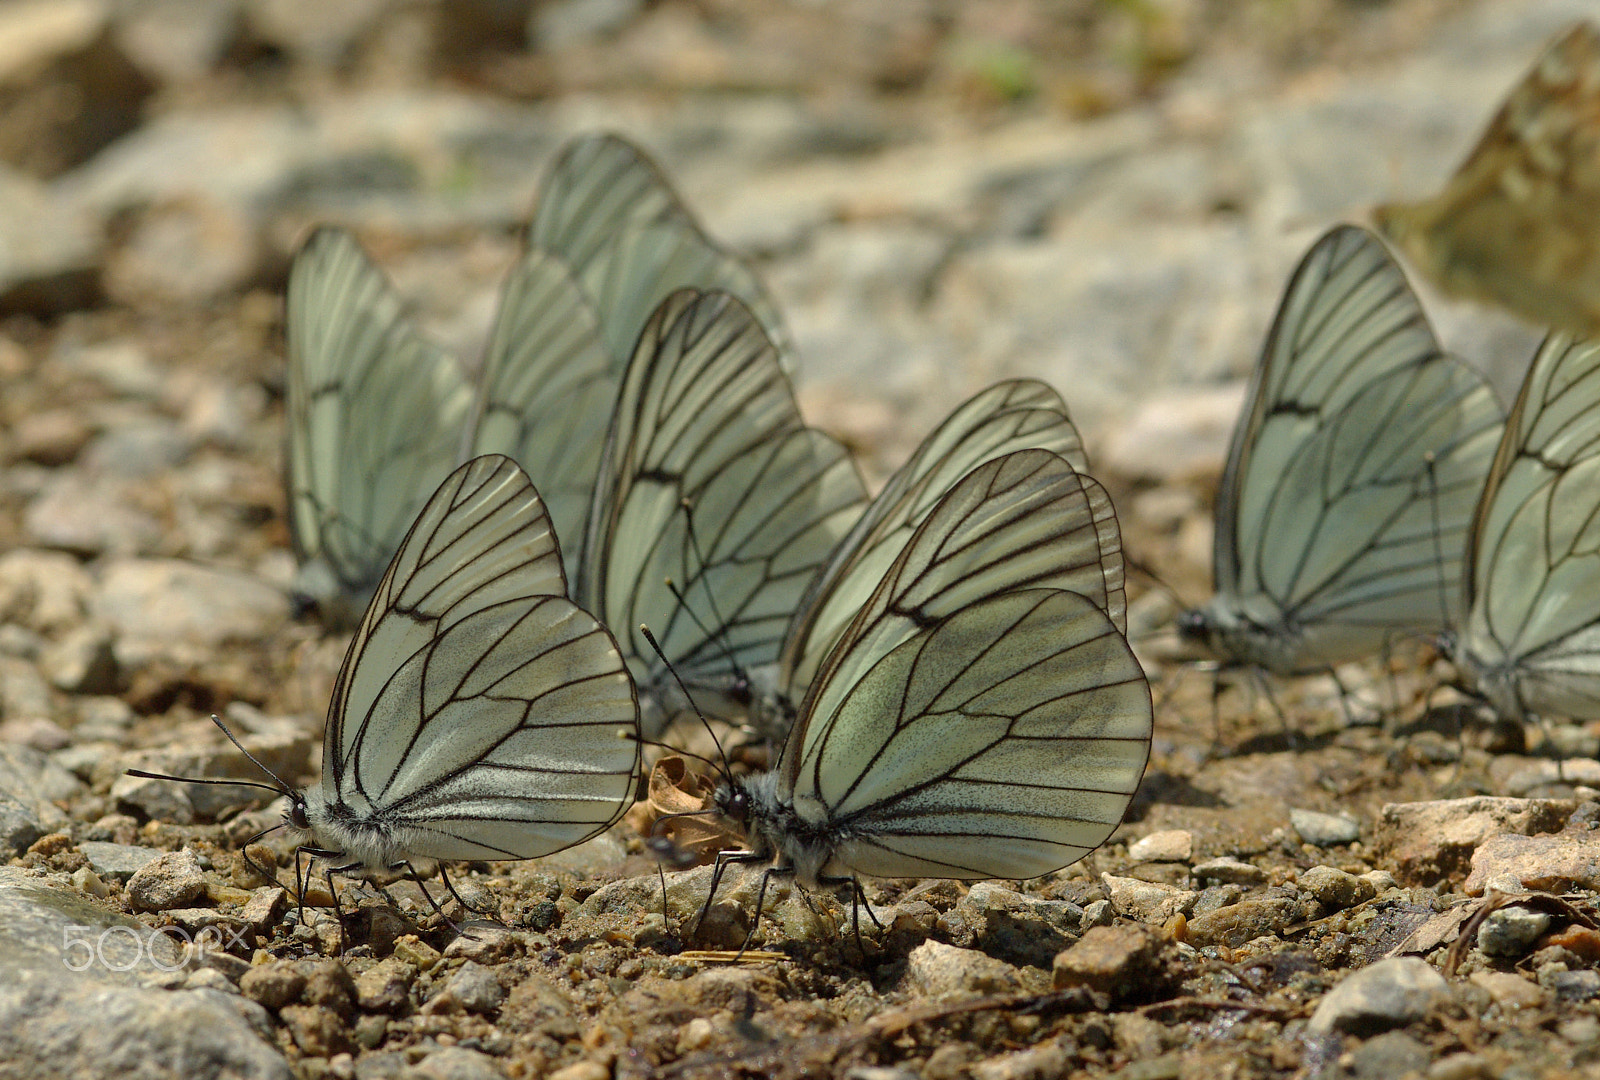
<point x="296" y="815"/>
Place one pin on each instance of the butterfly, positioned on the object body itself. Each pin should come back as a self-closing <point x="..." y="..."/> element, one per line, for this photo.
<point x="1529" y="636"/>
<point x="378" y="415"/>
<point x="1352" y="474"/>
<point x="713" y="507"/>
<point x="478" y="710"/>
<point x="958" y="727"/>
<point x="1515" y="226"/>
<point x="1011" y="415"/>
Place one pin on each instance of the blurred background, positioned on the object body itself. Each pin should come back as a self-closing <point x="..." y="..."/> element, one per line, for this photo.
<point x="1107" y="194"/>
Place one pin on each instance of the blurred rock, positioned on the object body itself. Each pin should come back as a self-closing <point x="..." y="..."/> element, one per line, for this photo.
<point x="137" y="449"/>
<point x="1229" y="870"/>
<point x="1388" y="994"/>
<point x="1508" y="990"/>
<point x="174" y="41"/>
<point x="1324" y="830"/>
<point x="1169" y="845"/>
<point x="49" y="249"/>
<point x="158" y="800"/>
<point x="155" y="604"/>
<point x="1510" y="932"/>
<point x="1430" y="840"/>
<point x="81" y="662"/>
<point x="52" y="438"/>
<point x="19" y="826"/>
<point x="473" y="988"/>
<point x="91" y="516"/>
<point x="1548" y="863"/>
<point x="461" y="1063"/>
<point x="1175" y="438"/>
<point x="72" y="1003"/>
<point x="187" y="250"/>
<point x="566" y="23"/>
<point x="386" y="986"/>
<point x="116" y="862"/>
<point x="24" y="694"/>
<point x="314" y="33"/>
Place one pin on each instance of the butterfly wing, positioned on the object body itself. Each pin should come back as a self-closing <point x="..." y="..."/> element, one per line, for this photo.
<point x="547" y="388"/>
<point x="478" y="709"/>
<point x="375" y="419"/>
<point x="1531" y="632"/>
<point x="1350" y="483"/>
<point x="1004" y="741"/>
<point x="713" y="482"/>
<point x="610" y="214"/>
<point x="1012" y="415"/>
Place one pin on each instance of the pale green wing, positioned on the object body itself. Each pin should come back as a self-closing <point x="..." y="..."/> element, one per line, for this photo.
<point x="478" y="710"/>
<point x="1531" y="631"/>
<point x="609" y="213"/>
<point x="1351" y="481"/>
<point x="1016" y="414"/>
<point x="375" y="415"/>
<point x="1005" y="740"/>
<point x="714" y="504"/>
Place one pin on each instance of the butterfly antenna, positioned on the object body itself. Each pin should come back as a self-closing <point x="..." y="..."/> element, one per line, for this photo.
<point x="711" y="597"/>
<point x="727" y="766"/>
<point x="1144" y="568"/>
<point x="716" y="637"/>
<point x="277" y="785"/>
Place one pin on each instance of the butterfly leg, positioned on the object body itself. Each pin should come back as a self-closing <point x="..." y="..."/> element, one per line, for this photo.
<point x="761" y="898"/>
<point x="724" y="858"/>
<point x="428" y="896"/>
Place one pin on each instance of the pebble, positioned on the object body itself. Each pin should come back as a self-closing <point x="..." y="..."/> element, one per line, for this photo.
<point x="1388" y="994"/>
<point x="937" y="970"/>
<point x="1511" y="931"/>
<point x="1147" y="901"/>
<point x="1250" y="918"/>
<point x="81" y="661"/>
<point x="1509" y="990"/>
<point x="19" y="826"/>
<point x="1117" y="961"/>
<point x="1169" y="845"/>
<point x="91" y="516"/>
<point x="1049" y="1059"/>
<point x="472" y="988"/>
<point x="1582" y="985"/>
<point x="264" y="908"/>
<point x="170" y="880"/>
<point x="1230" y="871"/>
<point x="385" y="986"/>
<point x="1013" y="927"/>
<point x="52" y="438"/>
<point x="46" y="591"/>
<point x="1324" y="830"/>
<point x="116" y="862"/>
<point x="459" y="1063"/>
<point x="1392" y="1054"/>
<point x="416" y="952"/>
<point x="153" y="605"/>
<point x="583" y="1070"/>
<point x="1175" y="437"/>
<point x="273" y="985"/>
<point x="87" y="881"/>
<point x="1546" y="863"/>
<point x="316" y="1029"/>
<point x="158" y="800"/>
<point x="1334" y="888"/>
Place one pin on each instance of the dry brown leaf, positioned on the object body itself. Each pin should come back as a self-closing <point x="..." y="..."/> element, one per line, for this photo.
<point x="1519" y="223"/>
<point x="675" y="788"/>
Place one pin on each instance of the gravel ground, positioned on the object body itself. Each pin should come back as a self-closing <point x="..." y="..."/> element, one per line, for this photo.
<point x="1107" y="196"/>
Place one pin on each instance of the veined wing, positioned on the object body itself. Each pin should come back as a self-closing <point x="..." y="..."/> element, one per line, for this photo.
<point x="713" y="482"/>
<point x="477" y="709"/>
<point x="1005" y="740"/>
<point x="546" y="390"/>
<point x="1024" y="520"/>
<point x="608" y="211"/>
<point x="1350" y="483"/>
<point x="1531" y="635"/>
<point x="375" y="419"/>
<point x="1017" y="414"/>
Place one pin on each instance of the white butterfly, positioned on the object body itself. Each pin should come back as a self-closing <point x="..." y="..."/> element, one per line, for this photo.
<point x="375" y="419"/>
<point x="958" y="728"/>
<point x="1011" y="415"/>
<point x="1352" y="474"/>
<point x="477" y="712"/>
<point x="378" y="416"/>
<point x="1529" y="639"/>
<point x="714" y="506"/>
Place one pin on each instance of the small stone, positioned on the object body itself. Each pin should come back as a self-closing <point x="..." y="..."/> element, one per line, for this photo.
<point x="37" y="732"/>
<point x="117" y="862"/>
<point x="19" y="827"/>
<point x="583" y="1070"/>
<point x="385" y="986"/>
<point x="371" y="1030"/>
<point x="209" y="978"/>
<point x="1230" y="871"/>
<point x="416" y="952"/>
<point x="1508" y="990"/>
<point x="1581" y="985"/>
<point x="158" y="800"/>
<point x="1432" y="840"/>
<point x="1512" y="931"/>
<point x="46" y="591"/>
<point x="459" y="1063"/>
<point x="1175" y="436"/>
<point x="316" y="1029"/>
<point x="472" y="988"/>
<point x="264" y="908"/>
<point x="87" y="881"/>
<point x="53" y="437"/>
<point x="154" y="605"/>
<point x="170" y="880"/>
<point x="1011" y="926"/>
<point x="939" y="970"/>
<point x="328" y="982"/>
<point x="1462" y="1066"/>
<point x="1050" y="1059"/>
<point x="81" y="662"/>
<point x="1250" y="918"/>
<point x="1169" y="845"/>
<point x="1334" y="888"/>
<point x="1385" y="995"/>
<point x="1545" y="863"/>
<point x="1580" y="1030"/>
<point x="1391" y="1054"/>
<point x="1324" y="830"/>
<point x="1382" y="881"/>
<point x="273" y="985"/>
<point x="696" y="1035"/>
<point x="484" y="944"/>
<point x="1120" y="962"/>
<point x="1147" y="901"/>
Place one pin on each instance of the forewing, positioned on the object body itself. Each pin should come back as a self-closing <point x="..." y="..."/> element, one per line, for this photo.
<point x="1534" y="557"/>
<point x="712" y="480"/>
<point x="1004" y="741"/>
<point x="1016" y="414"/>
<point x="375" y="416"/>
<point x="546" y="390"/>
<point x="1024" y="520"/>
<point x="608" y="211"/>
